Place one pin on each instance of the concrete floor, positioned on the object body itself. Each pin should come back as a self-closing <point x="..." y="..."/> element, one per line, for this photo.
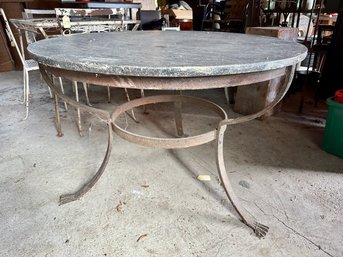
<point x="149" y="202"/>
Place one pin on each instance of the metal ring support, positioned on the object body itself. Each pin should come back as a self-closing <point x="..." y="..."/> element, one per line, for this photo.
<point x="168" y="143"/>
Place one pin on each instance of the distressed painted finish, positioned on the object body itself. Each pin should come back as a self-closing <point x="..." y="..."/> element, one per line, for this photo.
<point x="75" y="20"/>
<point x="168" y="54"/>
<point x="36" y="25"/>
<point x="88" y="12"/>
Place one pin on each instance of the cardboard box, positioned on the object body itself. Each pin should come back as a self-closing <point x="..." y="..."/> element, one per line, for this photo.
<point x="181" y="14"/>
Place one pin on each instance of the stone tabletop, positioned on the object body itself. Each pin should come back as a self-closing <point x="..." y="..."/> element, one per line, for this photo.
<point x="167" y="54"/>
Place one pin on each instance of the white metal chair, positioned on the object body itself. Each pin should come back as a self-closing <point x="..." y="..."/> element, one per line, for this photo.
<point x="31" y="36"/>
<point x="75" y="21"/>
<point x="28" y="65"/>
<point x="35" y="13"/>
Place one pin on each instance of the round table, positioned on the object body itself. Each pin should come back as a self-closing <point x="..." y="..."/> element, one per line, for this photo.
<point x="168" y="61"/>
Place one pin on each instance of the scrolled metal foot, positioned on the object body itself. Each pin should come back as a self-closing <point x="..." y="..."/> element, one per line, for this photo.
<point x="68" y="198"/>
<point x="260" y="229"/>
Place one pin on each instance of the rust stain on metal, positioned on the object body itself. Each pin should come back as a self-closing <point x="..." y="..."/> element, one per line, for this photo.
<point x="102" y="12"/>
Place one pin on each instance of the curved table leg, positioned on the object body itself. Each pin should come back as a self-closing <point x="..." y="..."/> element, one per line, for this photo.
<point x="77" y="195"/>
<point x="101" y="114"/>
<point x="259" y="229"/>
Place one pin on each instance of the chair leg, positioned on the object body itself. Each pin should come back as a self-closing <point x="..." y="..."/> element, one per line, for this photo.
<point x="27" y="93"/>
<point x="24" y="86"/>
<point x="227" y="97"/>
<point x="53" y="81"/>
<point x="145" y="106"/>
<point x="79" y="126"/>
<point x="86" y="93"/>
<point x="109" y="94"/>
<point x="132" y="111"/>
<point x="230" y="94"/>
<point x="204" y="17"/>
<point x="62" y="89"/>
<point x="178" y="119"/>
<point x="57" y="117"/>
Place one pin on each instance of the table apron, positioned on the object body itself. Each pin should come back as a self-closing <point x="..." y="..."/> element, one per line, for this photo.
<point x="167" y="83"/>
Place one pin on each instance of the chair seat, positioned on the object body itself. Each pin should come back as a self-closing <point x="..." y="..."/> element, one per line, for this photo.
<point x="31" y="64"/>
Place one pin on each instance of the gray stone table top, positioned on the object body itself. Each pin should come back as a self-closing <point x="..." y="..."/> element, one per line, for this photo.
<point x="167" y="54"/>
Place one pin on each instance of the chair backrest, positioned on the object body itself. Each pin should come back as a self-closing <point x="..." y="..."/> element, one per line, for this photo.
<point x="34" y="13"/>
<point x="90" y="20"/>
<point x="12" y="38"/>
<point x="40" y="14"/>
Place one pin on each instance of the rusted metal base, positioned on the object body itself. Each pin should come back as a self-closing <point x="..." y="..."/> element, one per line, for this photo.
<point x="168" y="143"/>
<point x="180" y="141"/>
<point x="88" y="186"/>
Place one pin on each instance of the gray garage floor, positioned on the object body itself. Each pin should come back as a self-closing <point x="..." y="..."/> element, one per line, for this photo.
<point x="149" y="202"/>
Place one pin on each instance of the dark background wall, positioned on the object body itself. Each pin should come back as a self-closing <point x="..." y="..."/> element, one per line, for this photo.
<point x="332" y="6"/>
<point x="332" y="76"/>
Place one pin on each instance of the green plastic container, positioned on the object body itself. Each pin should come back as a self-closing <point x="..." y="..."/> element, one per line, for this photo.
<point x="333" y="135"/>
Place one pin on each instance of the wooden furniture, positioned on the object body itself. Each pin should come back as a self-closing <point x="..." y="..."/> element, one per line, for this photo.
<point x="180" y="18"/>
<point x="251" y="99"/>
<point x="285" y="33"/>
<point x="6" y="61"/>
<point x="107" y="59"/>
